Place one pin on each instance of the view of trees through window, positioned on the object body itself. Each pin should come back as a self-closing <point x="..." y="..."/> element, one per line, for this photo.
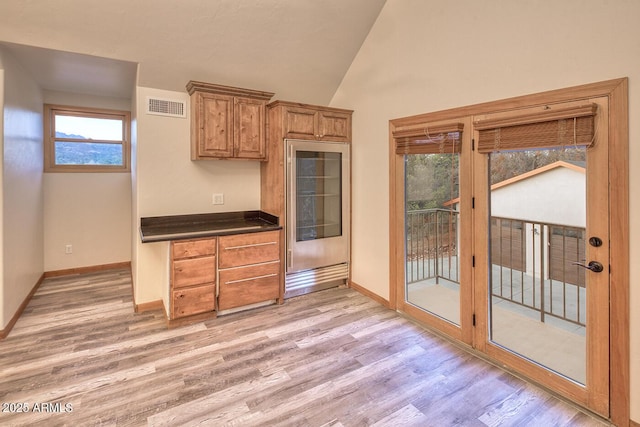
<point x="432" y="179"/>
<point x="74" y="153"/>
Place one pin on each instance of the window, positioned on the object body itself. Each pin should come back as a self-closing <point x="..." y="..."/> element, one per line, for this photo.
<point x="86" y="140"/>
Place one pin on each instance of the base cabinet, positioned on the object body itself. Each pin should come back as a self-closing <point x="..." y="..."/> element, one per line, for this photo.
<point x="222" y="273"/>
<point x="249" y="269"/>
<point x="193" y="277"/>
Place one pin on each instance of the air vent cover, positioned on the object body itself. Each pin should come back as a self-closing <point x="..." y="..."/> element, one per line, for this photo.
<point x="166" y="107"/>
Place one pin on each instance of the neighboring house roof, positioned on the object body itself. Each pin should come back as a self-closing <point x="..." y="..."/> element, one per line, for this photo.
<point x="527" y="175"/>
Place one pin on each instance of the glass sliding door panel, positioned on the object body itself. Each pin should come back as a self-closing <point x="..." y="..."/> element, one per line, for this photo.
<point x="432" y="221"/>
<point x="318" y="195"/>
<point x="537" y="293"/>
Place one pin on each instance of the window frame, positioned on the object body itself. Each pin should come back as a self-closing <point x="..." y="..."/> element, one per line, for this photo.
<point x="50" y="112"/>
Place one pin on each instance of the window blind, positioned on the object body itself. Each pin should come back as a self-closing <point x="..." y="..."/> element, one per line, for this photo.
<point x="429" y="139"/>
<point x="551" y="127"/>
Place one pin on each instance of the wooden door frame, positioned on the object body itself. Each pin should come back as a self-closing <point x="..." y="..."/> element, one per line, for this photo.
<point x="617" y="93"/>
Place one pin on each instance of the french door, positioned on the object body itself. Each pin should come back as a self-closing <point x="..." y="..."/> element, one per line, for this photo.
<point x="542" y="218"/>
<point x="436" y="284"/>
<point x="504" y="221"/>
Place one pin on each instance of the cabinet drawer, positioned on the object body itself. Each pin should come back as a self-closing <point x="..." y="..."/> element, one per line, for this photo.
<point x="193" y="271"/>
<point x="248" y="285"/>
<point x="253" y="248"/>
<point x="186" y="302"/>
<point x="193" y="248"/>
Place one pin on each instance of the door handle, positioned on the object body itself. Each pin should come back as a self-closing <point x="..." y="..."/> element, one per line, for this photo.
<point x="594" y="266"/>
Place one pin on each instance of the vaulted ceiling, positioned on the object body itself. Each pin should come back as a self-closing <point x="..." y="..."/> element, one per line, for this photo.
<point x="299" y="49"/>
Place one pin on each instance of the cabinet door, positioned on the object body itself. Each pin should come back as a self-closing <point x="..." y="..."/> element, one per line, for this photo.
<point x="215" y="126"/>
<point x="334" y="126"/>
<point x="249" y="129"/>
<point x="301" y="123"/>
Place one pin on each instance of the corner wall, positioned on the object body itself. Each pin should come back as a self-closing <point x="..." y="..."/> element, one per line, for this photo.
<point x="425" y="56"/>
<point x="90" y="211"/>
<point x="22" y="215"/>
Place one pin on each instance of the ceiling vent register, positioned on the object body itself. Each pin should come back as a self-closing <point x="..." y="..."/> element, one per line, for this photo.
<point x="166" y="107"/>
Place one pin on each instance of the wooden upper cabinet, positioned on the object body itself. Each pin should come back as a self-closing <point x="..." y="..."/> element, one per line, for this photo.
<point x="334" y="126"/>
<point x="213" y="116"/>
<point x="300" y="123"/>
<point x="249" y="128"/>
<point x="227" y="122"/>
<point x="316" y="123"/>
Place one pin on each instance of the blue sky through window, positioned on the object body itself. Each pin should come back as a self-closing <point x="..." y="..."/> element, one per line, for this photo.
<point x="89" y="128"/>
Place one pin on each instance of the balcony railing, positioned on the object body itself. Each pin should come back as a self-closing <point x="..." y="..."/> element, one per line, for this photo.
<point x="432" y="245"/>
<point x="532" y="262"/>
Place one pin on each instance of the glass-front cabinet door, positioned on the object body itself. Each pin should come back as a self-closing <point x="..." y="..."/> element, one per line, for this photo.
<point x="317" y="204"/>
<point x="318" y="195"/>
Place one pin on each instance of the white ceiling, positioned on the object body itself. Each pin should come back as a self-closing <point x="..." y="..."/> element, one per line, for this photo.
<point x="299" y="49"/>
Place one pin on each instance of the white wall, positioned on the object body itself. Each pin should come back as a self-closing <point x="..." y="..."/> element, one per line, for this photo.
<point x="556" y="196"/>
<point x="22" y="192"/>
<point x="423" y="56"/>
<point x="167" y="182"/>
<point x="90" y="211"/>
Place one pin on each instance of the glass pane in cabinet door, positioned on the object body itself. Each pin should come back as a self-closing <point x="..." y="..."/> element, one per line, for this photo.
<point x="432" y="221"/>
<point x="318" y="195"/>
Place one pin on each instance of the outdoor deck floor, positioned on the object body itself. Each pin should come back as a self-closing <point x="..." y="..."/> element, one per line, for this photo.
<point x="555" y="343"/>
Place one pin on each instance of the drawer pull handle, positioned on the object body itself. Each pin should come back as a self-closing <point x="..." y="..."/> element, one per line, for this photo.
<point x="250" y="278"/>
<point x="248" y="246"/>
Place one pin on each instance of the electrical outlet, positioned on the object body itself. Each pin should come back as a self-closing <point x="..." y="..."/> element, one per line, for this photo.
<point x="218" y="199"/>
<point x="68" y="249"/>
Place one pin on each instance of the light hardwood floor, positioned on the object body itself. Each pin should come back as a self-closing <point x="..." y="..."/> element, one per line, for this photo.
<point x="332" y="358"/>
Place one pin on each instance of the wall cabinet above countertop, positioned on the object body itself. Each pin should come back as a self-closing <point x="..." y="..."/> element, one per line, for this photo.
<point x="227" y="122"/>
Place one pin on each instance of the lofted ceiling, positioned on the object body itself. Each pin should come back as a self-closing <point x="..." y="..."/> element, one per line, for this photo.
<point x="299" y="49"/>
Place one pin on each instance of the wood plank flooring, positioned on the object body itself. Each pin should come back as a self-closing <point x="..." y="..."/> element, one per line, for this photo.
<point x="79" y="356"/>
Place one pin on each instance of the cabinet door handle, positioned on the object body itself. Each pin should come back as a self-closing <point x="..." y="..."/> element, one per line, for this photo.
<point x="228" y="248"/>
<point x="231" y="282"/>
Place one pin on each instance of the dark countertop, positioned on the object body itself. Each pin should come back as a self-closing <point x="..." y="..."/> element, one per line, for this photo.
<point x="178" y="227"/>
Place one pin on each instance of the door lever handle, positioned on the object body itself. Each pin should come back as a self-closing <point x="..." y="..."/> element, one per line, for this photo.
<point x="594" y="266"/>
